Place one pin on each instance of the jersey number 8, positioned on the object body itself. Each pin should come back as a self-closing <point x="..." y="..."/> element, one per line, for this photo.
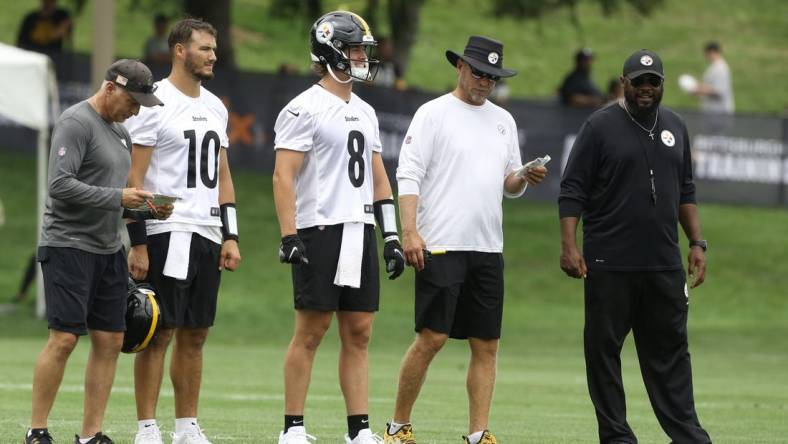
<point x="355" y="166"/>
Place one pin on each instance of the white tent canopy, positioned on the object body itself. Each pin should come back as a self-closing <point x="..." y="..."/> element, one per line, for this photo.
<point x="28" y="80"/>
<point x="29" y="97"/>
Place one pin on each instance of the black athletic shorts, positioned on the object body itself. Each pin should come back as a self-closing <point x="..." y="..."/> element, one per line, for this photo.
<point x="313" y="283"/>
<point x="460" y="293"/>
<point x="190" y="302"/>
<point x="84" y="290"/>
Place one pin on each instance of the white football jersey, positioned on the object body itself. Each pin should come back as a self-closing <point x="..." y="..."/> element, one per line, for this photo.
<point x="186" y="135"/>
<point x="335" y="183"/>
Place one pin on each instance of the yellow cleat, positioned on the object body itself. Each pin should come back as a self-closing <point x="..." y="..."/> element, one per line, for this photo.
<point x="487" y="438"/>
<point x="403" y="436"/>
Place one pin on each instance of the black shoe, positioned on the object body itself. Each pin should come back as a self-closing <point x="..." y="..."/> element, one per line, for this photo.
<point x="39" y="436"/>
<point x="100" y="438"/>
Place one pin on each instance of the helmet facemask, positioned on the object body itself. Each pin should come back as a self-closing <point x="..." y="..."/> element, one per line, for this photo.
<point x="359" y="65"/>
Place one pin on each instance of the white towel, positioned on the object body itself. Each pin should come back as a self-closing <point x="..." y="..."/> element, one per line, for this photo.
<point x="177" y="263"/>
<point x="351" y="253"/>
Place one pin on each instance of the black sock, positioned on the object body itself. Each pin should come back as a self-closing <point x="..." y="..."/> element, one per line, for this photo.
<point x="356" y="423"/>
<point x="293" y="421"/>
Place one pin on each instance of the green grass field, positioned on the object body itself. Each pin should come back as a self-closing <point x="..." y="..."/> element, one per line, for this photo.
<point x="738" y="339"/>
<point x="754" y="35"/>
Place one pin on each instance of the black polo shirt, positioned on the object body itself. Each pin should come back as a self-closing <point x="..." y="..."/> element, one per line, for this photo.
<point x="607" y="182"/>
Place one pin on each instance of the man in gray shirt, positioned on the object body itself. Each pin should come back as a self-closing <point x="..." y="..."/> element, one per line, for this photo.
<point x="81" y="255"/>
<point x="716" y="89"/>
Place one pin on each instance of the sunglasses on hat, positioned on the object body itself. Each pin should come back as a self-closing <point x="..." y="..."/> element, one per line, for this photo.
<point x="641" y="80"/>
<point x="478" y="75"/>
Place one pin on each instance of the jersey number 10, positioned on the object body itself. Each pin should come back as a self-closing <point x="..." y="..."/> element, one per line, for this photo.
<point x="191" y="176"/>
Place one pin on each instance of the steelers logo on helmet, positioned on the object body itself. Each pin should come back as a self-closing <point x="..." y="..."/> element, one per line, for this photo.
<point x="493" y="57"/>
<point x="646" y="60"/>
<point x="341" y="41"/>
<point x="324" y="32"/>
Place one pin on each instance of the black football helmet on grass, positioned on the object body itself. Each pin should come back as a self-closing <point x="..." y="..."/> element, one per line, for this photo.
<point x="331" y="37"/>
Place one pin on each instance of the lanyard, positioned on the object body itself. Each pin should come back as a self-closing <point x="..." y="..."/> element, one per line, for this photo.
<point x="649" y="165"/>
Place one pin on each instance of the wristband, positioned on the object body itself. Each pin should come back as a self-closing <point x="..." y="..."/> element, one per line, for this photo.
<point x="386" y="217"/>
<point x="229" y="221"/>
<point x="138" y="234"/>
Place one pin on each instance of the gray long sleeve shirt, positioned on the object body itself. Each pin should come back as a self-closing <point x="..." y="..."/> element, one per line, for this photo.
<point x="89" y="163"/>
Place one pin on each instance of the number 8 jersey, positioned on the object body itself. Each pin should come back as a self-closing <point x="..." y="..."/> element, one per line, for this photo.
<point x="186" y="135"/>
<point x="338" y="138"/>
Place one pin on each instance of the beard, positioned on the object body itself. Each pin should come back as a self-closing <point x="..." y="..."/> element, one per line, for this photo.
<point x="639" y="109"/>
<point x="193" y="68"/>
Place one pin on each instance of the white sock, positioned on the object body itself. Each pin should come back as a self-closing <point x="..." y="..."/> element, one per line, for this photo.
<point x="85" y="440"/>
<point x="145" y="423"/>
<point x="184" y="424"/>
<point x="474" y="438"/>
<point x="395" y="426"/>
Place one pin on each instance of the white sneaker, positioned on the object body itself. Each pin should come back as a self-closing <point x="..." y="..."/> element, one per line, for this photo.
<point x="365" y="436"/>
<point x="192" y="436"/>
<point x="149" y="435"/>
<point x="295" y="435"/>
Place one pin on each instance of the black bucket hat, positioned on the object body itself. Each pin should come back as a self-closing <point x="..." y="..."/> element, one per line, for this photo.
<point x="484" y="54"/>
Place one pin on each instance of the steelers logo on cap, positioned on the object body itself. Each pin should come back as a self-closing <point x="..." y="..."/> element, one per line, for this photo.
<point x="492" y="57"/>
<point x="324" y="32"/>
<point x="646" y="60"/>
<point x="667" y="138"/>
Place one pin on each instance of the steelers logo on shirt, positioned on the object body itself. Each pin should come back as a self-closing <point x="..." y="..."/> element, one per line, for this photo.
<point x="667" y="138"/>
<point x="646" y="60"/>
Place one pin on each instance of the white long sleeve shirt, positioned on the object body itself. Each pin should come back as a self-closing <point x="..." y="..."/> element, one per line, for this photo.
<point x="455" y="157"/>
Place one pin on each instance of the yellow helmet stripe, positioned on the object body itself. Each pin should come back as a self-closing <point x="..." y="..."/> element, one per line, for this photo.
<point x="153" y="324"/>
<point x="363" y="23"/>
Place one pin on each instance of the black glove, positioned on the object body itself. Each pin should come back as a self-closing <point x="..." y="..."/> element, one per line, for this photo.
<point x="394" y="258"/>
<point x="292" y="250"/>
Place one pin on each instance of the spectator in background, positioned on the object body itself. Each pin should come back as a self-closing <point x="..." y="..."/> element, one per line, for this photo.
<point x="44" y="30"/>
<point x="389" y="71"/>
<point x="716" y="89"/>
<point x="157" y="49"/>
<point x="577" y="88"/>
<point x="615" y="91"/>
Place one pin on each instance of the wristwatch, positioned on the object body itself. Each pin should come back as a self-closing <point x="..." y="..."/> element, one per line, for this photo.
<point x="699" y="243"/>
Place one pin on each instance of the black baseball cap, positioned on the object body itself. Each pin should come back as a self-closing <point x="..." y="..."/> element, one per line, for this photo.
<point x="484" y="54"/>
<point x="136" y="79"/>
<point x="643" y="62"/>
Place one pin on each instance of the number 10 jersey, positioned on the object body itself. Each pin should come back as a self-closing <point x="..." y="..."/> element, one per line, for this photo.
<point x="337" y="138"/>
<point x="186" y="135"/>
